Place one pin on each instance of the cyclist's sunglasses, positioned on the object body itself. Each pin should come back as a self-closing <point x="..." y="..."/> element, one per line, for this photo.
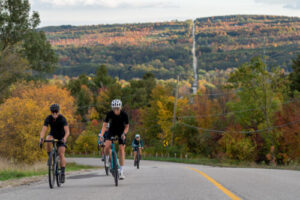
<point x="54" y="112"/>
<point x="116" y="109"/>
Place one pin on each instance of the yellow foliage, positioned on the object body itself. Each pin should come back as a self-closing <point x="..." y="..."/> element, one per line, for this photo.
<point x="45" y="95"/>
<point x="20" y="125"/>
<point x="86" y="142"/>
<point x="22" y="117"/>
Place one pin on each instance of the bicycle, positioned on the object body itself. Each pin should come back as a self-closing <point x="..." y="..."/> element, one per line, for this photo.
<point x="114" y="167"/>
<point x="54" y="169"/>
<point x="138" y="156"/>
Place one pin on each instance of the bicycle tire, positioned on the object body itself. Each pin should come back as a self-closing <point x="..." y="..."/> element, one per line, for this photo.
<point x="58" y="172"/>
<point x="115" y="168"/>
<point x="51" y="171"/>
<point x="138" y="159"/>
<point x="106" y="168"/>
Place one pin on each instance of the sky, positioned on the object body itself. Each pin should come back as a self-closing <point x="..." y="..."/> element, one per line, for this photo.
<point x="89" y="12"/>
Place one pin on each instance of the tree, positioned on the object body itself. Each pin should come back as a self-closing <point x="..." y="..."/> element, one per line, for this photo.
<point x="295" y="75"/>
<point x="17" y="26"/>
<point x="12" y="68"/>
<point x="86" y="142"/>
<point x="102" y="79"/>
<point x="22" y="115"/>
<point x="262" y="93"/>
<point x="20" y="124"/>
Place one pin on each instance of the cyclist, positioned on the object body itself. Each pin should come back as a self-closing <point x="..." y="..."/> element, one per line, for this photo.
<point x="119" y="126"/>
<point x="137" y="144"/>
<point x="59" y="130"/>
<point x="101" y="144"/>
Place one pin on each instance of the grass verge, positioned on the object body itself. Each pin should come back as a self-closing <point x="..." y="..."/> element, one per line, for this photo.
<point x="36" y="170"/>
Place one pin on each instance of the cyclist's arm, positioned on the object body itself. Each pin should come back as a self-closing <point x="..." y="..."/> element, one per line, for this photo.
<point x="103" y="129"/>
<point x="142" y="144"/>
<point x="132" y="144"/>
<point x="126" y="129"/>
<point x="67" y="132"/>
<point x="43" y="132"/>
<point x="99" y="135"/>
<point x="126" y="124"/>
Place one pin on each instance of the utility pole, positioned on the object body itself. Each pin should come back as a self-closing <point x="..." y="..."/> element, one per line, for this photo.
<point x="174" y="111"/>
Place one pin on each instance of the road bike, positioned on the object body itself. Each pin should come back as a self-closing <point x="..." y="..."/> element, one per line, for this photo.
<point x="54" y="169"/>
<point x="138" y="156"/>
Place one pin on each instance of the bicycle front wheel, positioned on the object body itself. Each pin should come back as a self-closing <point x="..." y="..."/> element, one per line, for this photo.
<point x="115" y="168"/>
<point x="138" y="159"/>
<point x="51" y="170"/>
<point x="58" y="171"/>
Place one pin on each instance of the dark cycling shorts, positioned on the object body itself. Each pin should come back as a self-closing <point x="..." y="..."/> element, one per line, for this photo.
<point x="59" y="144"/>
<point x="105" y="136"/>
<point x="135" y="149"/>
<point x="109" y="135"/>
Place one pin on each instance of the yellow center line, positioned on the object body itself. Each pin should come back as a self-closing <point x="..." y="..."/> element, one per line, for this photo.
<point x="218" y="185"/>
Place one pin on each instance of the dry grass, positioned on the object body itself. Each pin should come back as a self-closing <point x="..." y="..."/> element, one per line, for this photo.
<point x="5" y="165"/>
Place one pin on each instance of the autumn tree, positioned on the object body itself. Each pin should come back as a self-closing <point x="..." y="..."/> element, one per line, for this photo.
<point x="21" y="119"/>
<point x="260" y="94"/>
<point x="295" y="75"/>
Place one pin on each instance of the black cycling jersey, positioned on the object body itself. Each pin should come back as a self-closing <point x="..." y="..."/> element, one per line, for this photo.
<point x="117" y="122"/>
<point x="57" y="126"/>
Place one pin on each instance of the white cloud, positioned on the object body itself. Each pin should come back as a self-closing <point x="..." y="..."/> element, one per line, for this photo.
<point x="290" y="4"/>
<point x="106" y="3"/>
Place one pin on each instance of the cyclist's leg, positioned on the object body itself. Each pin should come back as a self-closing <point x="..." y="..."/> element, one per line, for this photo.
<point x="48" y="144"/>
<point x="61" y="153"/>
<point x="122" y="151"/>
<point x="107" y="147"/>
<point x="134" y="154"/>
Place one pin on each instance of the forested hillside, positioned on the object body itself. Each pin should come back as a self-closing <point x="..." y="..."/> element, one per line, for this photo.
<point x="130" y="50"/>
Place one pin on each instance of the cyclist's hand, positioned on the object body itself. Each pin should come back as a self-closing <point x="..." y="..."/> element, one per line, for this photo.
<point x="64" y="140"/>
<point x="101" y="139"/>
<point x="123" y="137"/>
<point x="41" y="142"/>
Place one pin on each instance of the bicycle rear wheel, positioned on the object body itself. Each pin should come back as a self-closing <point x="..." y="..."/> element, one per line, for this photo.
<point x="51" y="170"/>
<point x="58" y="171"/>
<point x="115" y="168"/>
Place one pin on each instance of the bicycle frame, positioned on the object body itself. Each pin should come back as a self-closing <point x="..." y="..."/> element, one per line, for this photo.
<point x="113" y="150"/>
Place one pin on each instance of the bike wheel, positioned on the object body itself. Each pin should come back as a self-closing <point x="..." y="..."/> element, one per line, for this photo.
<point x="51" y="175"/>
<point x="138" y="160"/>
<point x="115" y="168"/>
<point x="58" y="172"/>
<point x="106" y="168"/>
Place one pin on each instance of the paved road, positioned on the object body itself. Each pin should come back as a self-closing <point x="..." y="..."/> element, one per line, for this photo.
<point x="163" y="181"/>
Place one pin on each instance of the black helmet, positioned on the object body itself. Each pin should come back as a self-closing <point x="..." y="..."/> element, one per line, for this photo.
<point x="54" y="108"/>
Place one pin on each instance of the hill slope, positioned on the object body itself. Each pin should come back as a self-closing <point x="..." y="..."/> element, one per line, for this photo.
<point x="130" y="50"/>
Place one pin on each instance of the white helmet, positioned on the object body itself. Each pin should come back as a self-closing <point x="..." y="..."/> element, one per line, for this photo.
<point x="117" y="103"/>
<point x="137" y="136"/>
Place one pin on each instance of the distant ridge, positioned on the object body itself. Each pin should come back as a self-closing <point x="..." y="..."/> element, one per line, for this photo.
<point x="164" y="48"/>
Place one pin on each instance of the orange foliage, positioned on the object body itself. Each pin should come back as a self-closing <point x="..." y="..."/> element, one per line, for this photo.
<point x="289" y="148"/>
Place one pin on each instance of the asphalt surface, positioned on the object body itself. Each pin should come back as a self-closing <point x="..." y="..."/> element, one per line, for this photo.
<point x="164" y="181"/>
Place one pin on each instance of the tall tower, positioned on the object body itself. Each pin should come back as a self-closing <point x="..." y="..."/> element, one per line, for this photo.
<point x="195" y="84"/>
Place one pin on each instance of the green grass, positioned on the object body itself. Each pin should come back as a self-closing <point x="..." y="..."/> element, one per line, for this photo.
<point x="8" y="174"/>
